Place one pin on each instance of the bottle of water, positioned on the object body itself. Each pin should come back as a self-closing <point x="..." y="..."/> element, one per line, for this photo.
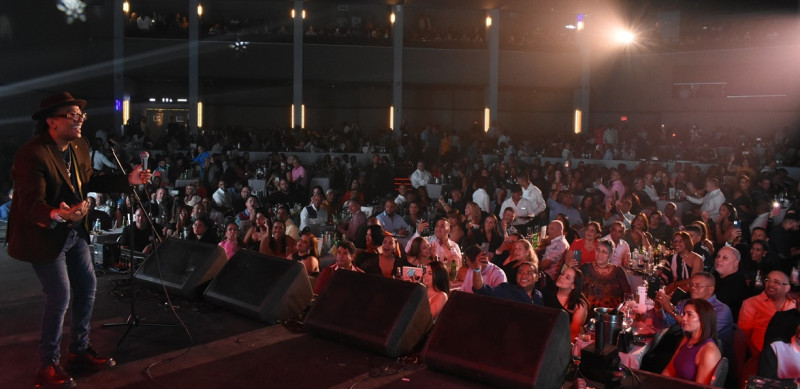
<point x="97" y="228"/>
<point x="759" y="281"/>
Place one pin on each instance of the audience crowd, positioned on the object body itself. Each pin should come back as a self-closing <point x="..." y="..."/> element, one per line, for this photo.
<point x="553" y="234"/>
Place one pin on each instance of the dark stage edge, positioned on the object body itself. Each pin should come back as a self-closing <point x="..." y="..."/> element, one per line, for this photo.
<point x="229" y="351"/>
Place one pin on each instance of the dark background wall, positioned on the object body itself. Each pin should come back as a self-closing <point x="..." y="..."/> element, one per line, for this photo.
<point x="353" y="82"/>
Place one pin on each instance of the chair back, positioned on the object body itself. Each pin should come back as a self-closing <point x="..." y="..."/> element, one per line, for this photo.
<point x="720" y="373"/>
<point x="737" y="355"/>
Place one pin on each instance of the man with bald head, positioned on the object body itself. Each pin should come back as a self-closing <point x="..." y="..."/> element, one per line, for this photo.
<point x="555" y="249"/>
<point x="758" y="310"/>
<point x="731" y="285"/>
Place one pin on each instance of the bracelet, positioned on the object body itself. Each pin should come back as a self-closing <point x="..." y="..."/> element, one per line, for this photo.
<point x="476" y="270"/>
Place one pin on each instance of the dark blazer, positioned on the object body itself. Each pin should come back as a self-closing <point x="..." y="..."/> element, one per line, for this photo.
<point x="39" y="177"/>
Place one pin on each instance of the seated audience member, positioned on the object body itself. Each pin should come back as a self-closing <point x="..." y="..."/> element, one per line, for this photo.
<point x="413" y="215"/>
<point x="661" y="231"/>
<point x="563" y="204"/>
<point x="702" y="246"/>
<point x="757" y="266"/>
<point x="621" y="255"/>
<point x="256" y="232"/>
<point x="401" y="199"/>
<point x="386" y="261"/>
<point x="203" y="231"/>
<point x="313" y="216"/>
<point x="291" y="229"/>
<point x="443" y="247"/>
<point x="419" y="253"/>
<point x="507" y="222"/>
<point x="231" y="242"/>
<point x="570" y="233"/>
<point x="94" y="215"/>
<point x="490" y="273"/>
<point x="420" y="177"/>
<point x="5" y="209"/>
<point x="278" y="244"/>
<point x="697" y="355"/>
<point x="458" y="235"/>
<point x="480" y="196"/>
<point x="724" y="231"/>
<point x="684" y="262"/>
<point x="306" y="252"/>
<point x="330" y="205"/>
<point x="282" y="195"/>
<point x="249" y="212"/>
<point x="437" y="282"/>
<point x="731" y="286"/>
<point x="357" y="219"/>
<point x="522" y="207"/>
<point x="531" y="193"/>
<point x="590" y="211"/>
<point x="569" y="297"/>
<point x="604" y="283"/>
<point x="671" y="217"/>
<point x="781" y="359"/>
<point x="639" y="237"/>
<point x="783" y="327"/>
<point x="556" y="246"/>
<point x="783" y="240"/>
<point x="710" y="202"/>
<point x="474" y="216"/>
<point x="143" y="238"/>
<point x="391" y="221"/>
<point x="345" y="252"/>
<point x="516" y="251"/>
<point x="182" y="225"/>
<point x="701" y="286"/>
<point x="524" y="291"/>
<point x="489" y="235"/>
<point x="585" y="245"/>
<point x="757" y="311"/>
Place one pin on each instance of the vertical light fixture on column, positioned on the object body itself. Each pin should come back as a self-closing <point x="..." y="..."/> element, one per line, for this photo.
<point x="391" y="117"/>
<point x="578" y="121"/>
<point x="291" y="116"/>
<point x="487" y="119"/>
<point x="199" y="9"/>
<point x="199" y="114"/>
<point x="126" y="7"/>
<point x="126" y="109"/>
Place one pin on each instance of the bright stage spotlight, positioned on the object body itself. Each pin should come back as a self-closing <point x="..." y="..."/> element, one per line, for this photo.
<point x="624" y="37"/>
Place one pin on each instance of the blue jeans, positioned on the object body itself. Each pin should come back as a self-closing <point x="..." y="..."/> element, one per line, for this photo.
<point x="72" y="269"/>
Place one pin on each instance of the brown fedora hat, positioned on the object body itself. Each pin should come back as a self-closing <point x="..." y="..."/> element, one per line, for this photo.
<point x="54" y="101"/>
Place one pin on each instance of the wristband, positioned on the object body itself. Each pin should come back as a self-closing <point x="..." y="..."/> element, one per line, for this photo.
<point x="55" y="216"/>
<point x="478" y="270"/>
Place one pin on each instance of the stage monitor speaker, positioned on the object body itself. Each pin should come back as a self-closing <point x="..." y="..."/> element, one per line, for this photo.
<point x="261" y="286"/>
<point x="377" y="314"/>
<point x="182" y="266"/>
<point x="111" y="254"/>
<point x="503" y="343"/>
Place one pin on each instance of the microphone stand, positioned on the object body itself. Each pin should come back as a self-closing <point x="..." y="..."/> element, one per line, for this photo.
<point x="134" y="320"/>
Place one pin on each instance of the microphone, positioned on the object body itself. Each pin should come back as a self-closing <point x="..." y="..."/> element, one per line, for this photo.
<point x="144" y="155"/>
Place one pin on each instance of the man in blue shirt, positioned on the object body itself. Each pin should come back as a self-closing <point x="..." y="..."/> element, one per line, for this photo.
<point x="391" y="221"/>
<point x="701" y="286"/>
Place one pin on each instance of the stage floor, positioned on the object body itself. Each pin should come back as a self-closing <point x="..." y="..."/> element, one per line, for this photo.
<point x="214" y="348"/>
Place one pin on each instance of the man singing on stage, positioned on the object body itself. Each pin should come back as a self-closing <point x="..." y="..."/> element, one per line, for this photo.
<point x="52" y="175"/>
